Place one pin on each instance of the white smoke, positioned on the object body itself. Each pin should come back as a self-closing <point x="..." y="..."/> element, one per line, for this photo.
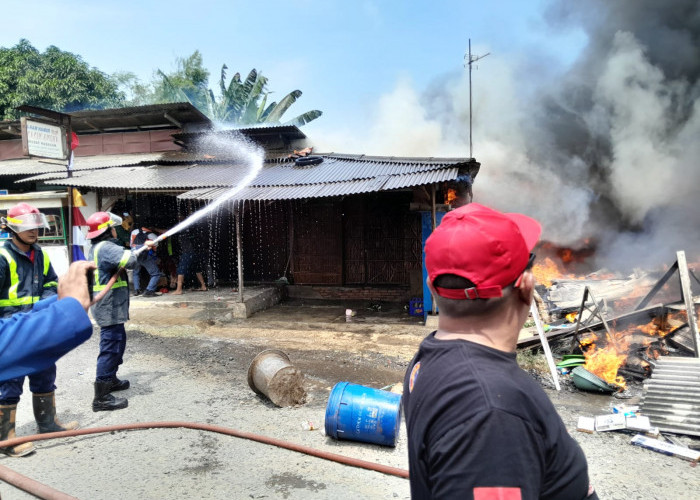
<point x="607" y="150"/>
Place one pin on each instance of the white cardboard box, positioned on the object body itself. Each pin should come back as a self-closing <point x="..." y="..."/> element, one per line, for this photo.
<point x="666" y="448"/>
<point x="586" y="424"/>
<point x="638" y="423"/>
<point x="611" y="422"/>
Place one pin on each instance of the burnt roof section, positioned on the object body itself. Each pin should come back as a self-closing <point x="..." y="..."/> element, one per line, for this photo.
<point x="336" y="175"/>
<point x="178" y="115"/>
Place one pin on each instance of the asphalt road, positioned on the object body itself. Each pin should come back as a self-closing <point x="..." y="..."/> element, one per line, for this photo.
<point x="200" y="380"/>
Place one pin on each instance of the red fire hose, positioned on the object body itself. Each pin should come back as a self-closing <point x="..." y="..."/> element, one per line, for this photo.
<point x="47" y="493"/>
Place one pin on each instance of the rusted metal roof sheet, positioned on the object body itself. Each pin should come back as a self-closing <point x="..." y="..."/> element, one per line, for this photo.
<point x="337" y="175"/>
<point x="671" y="397"/>
<point x="34" y="166"/>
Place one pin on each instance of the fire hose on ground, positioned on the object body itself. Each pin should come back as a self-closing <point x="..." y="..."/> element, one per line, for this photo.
<point x="47" y="493"/>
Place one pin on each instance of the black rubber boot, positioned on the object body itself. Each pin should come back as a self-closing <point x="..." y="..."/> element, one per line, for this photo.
<point x="119" y="385"/>
<point x="104" y="401"/>
<point x="45" y="414"/>
<point x="7" y="431"/>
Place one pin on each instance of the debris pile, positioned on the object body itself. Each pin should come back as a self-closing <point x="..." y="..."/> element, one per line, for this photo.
<point x="629" y="419"/>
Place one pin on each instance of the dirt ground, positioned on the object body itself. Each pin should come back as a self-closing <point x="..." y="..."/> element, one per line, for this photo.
<point x="190" y="364"/>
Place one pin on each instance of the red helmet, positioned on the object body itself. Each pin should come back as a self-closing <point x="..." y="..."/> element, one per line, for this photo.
<point x="99" y="222"/>
<point x="24" y="217"/>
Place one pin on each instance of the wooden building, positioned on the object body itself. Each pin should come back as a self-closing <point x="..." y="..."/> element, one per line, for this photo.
<point x="327" y="226"/>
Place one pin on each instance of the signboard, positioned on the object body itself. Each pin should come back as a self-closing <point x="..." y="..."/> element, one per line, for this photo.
<point x="43" y="139"/>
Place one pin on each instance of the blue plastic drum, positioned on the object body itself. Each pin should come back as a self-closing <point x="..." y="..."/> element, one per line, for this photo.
<point x="360" y="413"/>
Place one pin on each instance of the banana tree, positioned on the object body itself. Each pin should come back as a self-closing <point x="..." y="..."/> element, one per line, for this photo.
<point x="245" y="102"/>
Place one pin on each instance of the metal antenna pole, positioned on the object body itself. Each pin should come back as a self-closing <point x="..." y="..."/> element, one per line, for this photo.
<point x="471" y="59"/>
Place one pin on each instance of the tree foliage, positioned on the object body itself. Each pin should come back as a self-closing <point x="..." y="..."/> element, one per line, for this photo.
<point x="239" y="102"/>
<point x="188" y="82"/>
<point x="54" y="79"/>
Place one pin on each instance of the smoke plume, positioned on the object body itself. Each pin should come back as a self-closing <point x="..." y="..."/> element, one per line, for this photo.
<point x="603" y="151"/>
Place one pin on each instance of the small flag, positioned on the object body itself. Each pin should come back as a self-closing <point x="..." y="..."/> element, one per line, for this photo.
<point x="78" y="201"/>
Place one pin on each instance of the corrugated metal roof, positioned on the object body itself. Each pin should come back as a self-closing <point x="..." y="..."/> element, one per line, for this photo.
<point x="34" y="166"/>
<point x="672" y="395"/>
<point x="175" y="115"/>
<point x="337" y="175"/>
<point x="149" y="177"/>
<point x="253" y="131"/>
<point x="301" y="191"/>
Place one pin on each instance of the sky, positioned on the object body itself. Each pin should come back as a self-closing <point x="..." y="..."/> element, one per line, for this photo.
<point x="343" y="55"/>
<point x="584" y="114"/>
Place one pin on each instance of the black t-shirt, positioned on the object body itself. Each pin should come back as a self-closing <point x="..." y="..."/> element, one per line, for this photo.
<point x="479" y="426"/>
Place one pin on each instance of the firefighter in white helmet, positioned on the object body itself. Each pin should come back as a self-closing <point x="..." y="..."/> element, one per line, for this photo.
<point x="112" y="311"/>
<point x="26" y="276"/>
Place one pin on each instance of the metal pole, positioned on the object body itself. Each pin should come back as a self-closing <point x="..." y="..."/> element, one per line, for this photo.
<point x="471" y="59"/>
<point x="470" y="99"/>
<point x="434" y="225"/>
<point x="239" y="252"/>
<point x="687" y="292"/>
<point x="69" y="229"/>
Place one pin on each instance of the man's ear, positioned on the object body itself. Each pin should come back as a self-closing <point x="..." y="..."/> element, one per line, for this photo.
<point x="431" y="287"/>
<point x="526" y="290"/>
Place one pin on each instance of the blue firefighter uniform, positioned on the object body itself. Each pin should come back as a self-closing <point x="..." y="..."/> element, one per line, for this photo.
<point x="25" y="278"/>
<point x="112" y="311"/>
<point x="23" y="353"/>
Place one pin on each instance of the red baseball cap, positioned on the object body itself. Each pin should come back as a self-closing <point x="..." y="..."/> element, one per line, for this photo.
<point x="489" y="248"/>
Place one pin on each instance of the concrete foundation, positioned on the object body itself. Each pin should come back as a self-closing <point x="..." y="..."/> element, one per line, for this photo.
<point x="255" y="299"/>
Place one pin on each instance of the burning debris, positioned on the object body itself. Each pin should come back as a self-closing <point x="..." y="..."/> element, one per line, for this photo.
<point x="608" y="351"/>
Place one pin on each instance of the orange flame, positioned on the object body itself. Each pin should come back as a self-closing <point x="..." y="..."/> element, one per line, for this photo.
<point x="567" y="255"/>
<point x="606" y="361"/>
<point x="547" y="270"/>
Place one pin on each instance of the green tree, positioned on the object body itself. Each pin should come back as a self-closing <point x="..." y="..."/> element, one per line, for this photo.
<point x="240" y="102"/>
<point x="188" y="82"/>
<point x="135" y="92"/>
<point x="54" y="79"/>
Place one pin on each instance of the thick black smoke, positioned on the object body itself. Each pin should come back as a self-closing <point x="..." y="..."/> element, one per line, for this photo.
<point x="628" y="112"/>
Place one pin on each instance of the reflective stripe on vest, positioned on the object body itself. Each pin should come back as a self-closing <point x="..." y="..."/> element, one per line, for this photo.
<point x="117" y="284"/>
<point x="12" y="300"/>
<point x="47" y="263"/>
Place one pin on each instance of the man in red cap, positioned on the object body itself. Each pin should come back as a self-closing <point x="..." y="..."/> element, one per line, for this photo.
<point x="479" y="427"/>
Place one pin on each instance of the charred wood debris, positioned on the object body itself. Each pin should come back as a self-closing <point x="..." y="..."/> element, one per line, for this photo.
<point x="636" y="339"/>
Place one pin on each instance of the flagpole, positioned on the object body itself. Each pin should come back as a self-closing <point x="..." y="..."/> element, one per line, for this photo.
<point x="70" y="224"/>
<point x="69" y="239"/>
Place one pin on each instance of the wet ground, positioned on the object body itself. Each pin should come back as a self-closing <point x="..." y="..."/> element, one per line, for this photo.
<point x="368" y="348"/>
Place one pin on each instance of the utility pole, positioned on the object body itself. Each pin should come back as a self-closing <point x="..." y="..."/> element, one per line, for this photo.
<point x="470" y="58"/>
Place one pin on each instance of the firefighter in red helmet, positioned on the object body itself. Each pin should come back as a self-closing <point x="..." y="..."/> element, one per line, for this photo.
<point x="26" y="276"/>
<point x="112" y="311"/>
